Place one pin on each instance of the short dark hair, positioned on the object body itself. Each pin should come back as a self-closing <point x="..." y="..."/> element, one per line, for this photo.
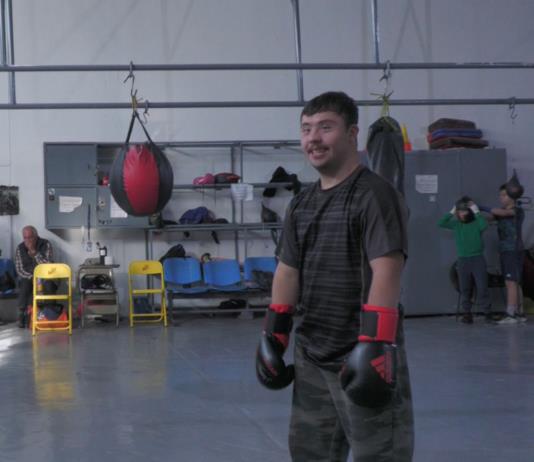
<point x="503" y="187"/>
<point x="335" y="101"/>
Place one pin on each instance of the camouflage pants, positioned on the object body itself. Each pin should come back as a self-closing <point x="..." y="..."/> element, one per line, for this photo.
<point x="325" y="424"/>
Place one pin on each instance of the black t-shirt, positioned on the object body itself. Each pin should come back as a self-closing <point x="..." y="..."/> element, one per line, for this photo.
<point x="509" y="230"/>
<point x="330" y="236"/>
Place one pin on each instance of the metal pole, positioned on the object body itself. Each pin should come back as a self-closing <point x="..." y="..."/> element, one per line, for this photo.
<point x="149" y="248"/>
<point x="298" y="49"/>
<point x="3" y="21"/>
<point x="260" y="67"/>
<point x="241" y="173"/>
<point x="269" y="104"/>
<point x="10" y="50"/>
<point x="376" y="31"/>
<point x="232" y="167"/>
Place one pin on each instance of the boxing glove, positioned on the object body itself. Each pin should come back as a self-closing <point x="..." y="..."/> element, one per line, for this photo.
<point x="368" y="375"/>
<point x="271" y="369"/>
<point x="474" y="208"/>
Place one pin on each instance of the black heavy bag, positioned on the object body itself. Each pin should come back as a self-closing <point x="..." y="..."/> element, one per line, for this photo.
<point x="141" y="177"/>
<point x="385" y="148"/>
<point x="514" y="188"/>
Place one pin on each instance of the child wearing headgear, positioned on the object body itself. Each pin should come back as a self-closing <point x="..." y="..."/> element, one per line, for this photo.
<point x="468" y="225"/>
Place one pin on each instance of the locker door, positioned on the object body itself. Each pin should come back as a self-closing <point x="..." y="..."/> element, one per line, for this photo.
<point x="110" y="215"/>
<point x="70" y="207"/>
<point x="432" y="251"/>
<point x="432" y="185"/>
<point x="70" y="164"/>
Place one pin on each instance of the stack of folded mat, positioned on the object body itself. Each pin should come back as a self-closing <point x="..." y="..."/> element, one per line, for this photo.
<point x="454" y="133"/>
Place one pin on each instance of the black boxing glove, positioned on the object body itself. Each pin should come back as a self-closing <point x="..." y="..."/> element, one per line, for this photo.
<point x="368" y="376"/>
<point x="271" y="369"/>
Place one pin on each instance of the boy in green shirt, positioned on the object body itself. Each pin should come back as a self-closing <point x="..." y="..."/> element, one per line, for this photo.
<point x="468" y="225"/>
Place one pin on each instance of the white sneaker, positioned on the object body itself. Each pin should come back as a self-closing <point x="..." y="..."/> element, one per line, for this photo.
<point x="521" y="318"/>
<point x="507" y="320"/>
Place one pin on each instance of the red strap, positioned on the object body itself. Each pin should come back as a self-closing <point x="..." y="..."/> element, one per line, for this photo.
<point x="280" y="308"/>
<point x="385" y="329"/>
<point x="283" y="339"/>
<point x="284" y="322"/>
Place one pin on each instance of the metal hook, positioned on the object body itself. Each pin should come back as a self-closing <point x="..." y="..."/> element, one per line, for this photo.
<point x="130" y="75"/>
<point x="387" y="72"/>
<point x="512" y="109"/>
<point x="133" y="91"/>
<point x="386" y="75"/>
<point x="384" y="97"/>
<point x="145" y="112"/>
<point x="135" y="101"/>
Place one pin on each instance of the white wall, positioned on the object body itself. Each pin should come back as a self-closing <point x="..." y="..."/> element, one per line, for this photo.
<point x="213" y="31"/>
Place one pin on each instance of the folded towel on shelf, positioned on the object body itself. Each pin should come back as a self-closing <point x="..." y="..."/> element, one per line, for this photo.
<point x="451" y="123"/>
<point x="449" y="132"/>
<point x="458" y="142"/>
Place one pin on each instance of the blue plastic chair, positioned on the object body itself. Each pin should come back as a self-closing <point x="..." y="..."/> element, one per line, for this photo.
<point x="223" y="275"/>
<point x="183" y="276"/>
<point x="267" y="264"/>
<point x="7" y="266"/>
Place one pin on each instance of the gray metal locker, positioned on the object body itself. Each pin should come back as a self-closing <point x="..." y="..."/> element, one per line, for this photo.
<point x="109" y="215"/>
<point x="434" y="180"/>
<point x="70" y="164"/>
<point x="70" y="207"/>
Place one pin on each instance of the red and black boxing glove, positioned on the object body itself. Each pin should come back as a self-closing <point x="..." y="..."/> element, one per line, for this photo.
<point x="271" y="369"/>
<point x="369" y="374"/>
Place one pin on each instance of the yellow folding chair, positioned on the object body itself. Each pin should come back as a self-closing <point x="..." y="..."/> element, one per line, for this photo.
<point x="45" y="271"/>
<point x="147" y="268"/>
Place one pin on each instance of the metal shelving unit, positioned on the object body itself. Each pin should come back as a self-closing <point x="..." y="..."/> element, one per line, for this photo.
<point x="226" y="186"/>
<point x="232" y="227"/>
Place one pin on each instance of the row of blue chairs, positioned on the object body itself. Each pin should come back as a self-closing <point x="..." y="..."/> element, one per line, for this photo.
<point x="186" y="276"/>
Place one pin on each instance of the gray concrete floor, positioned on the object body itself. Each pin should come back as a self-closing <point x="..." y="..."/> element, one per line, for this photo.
<point x="189" y="393"/>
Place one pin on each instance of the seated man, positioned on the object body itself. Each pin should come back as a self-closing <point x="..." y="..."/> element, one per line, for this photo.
<point x="32" y="251"/>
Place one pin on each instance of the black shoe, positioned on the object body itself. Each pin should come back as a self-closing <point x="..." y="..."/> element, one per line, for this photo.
<point x="467" y="318"/>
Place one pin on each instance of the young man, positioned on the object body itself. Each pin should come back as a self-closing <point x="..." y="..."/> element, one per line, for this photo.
<point x="32" y="251"/>
<point x="341" y="256"/>
<point x="511" y="252"/>
<point x="468" y="225"/>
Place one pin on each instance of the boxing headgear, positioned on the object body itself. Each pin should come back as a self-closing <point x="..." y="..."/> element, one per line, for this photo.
<point x="462" y="205"/>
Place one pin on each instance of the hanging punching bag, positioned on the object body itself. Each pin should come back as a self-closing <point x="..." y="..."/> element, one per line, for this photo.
<point x="141" y="176"/>
<point x="514" y="188"/>
<point x="385" y="147"/>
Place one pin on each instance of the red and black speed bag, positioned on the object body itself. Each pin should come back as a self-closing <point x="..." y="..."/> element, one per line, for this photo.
<point x="141" y="178"/>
